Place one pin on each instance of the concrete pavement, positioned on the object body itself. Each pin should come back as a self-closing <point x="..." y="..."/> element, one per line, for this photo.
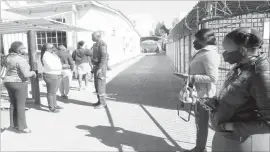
<point x="141" y="115"/>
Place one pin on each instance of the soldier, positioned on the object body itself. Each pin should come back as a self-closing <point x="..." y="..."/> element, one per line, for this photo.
<point x="99" y="61"/>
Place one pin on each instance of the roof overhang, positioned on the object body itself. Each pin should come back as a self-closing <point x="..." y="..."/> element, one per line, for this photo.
<point x="52" y="6"/>
<point x="38" y="24"/>
<point x="66" y="6"/>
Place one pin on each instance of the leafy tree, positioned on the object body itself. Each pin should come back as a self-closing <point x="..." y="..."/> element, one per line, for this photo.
<point x="161" y="29"/>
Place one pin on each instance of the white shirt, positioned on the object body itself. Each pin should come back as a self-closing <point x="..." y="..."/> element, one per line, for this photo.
<point x="52" y="63"/>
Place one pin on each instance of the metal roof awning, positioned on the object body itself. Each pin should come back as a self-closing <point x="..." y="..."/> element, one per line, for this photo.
<point x="205" y="11"/>
<point x="38" y="24"/>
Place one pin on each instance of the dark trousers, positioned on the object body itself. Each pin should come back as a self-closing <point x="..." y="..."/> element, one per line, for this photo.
<point x="17" y="92"/>
<point x="52" y="84"/>
<point x="100" y="85"/>
<point x="201" y="119"/>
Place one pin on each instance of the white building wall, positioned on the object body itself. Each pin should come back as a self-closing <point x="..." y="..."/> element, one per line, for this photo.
<point x="122" y="44"/>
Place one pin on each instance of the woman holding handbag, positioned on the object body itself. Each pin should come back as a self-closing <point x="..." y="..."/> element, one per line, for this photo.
<point x="15" y="81"/>
<point x="203" y="74"/>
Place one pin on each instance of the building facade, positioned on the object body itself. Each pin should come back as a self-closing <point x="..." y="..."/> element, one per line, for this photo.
<point x="117" y="31"/>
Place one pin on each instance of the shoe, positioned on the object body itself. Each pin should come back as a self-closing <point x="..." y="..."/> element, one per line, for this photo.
<point x="58" y="107"/>
<point x="24" y="131"/>
<point x="196" y="150"/>
<point x="64" y="96"/>
<point x="96" y="104"/>
<point x="12" y="128"/>
<point x="100" y="106"/>
<point x="54" y="110"/>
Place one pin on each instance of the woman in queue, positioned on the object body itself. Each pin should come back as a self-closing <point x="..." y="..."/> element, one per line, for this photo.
<point x="203" y="75"/>
<point x="52" y="74"/>
<point x="15" y="81"/>
<point x="243" y="103"/>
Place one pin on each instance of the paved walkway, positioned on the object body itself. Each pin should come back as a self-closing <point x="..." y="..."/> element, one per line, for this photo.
<point x="141" y="115"/>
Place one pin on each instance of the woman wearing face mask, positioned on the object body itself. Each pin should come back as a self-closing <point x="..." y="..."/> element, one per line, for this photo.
<point x="15" y="81"/>
<point x="203" y="74"/>
<point x="243" y="104"/>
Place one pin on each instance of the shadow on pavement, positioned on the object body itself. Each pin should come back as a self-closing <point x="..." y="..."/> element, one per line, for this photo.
<point x="68" y="101"/>
<point x="150" y="82"/>
<point x="37" y="107"/>
<point x="119" y="137"/>
<point x="74" y="101"/>
<point x="161" y="128"/>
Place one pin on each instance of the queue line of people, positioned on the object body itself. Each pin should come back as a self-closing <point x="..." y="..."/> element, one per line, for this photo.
<point x="58" y="65"/>
<point x="241" y="109"/>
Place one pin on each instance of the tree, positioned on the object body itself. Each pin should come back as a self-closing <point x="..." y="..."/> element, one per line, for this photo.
<point x="161" y="29"/>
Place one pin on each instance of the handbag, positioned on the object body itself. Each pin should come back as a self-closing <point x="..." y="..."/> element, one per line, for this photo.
<point x="187" y="98"/>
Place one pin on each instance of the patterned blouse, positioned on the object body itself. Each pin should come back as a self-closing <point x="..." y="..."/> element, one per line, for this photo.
<point x="18" y="68"/>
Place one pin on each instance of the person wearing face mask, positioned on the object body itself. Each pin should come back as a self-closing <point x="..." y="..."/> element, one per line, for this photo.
<point x="52" y="74"/>
<point x="203" y="74"/>
<point x="15" y="81"/>
<point x="242" y="111"/>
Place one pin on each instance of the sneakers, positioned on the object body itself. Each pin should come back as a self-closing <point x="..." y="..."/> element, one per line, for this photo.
<point x="25" y="131"/>
<point x="196" y="150"/>
<point x="54" y="111"/>
<point x="59" y="107"/>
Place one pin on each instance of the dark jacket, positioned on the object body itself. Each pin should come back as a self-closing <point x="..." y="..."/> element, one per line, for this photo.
<point x="81" y="56"/>
<point x="99" y="58"/>
<point x="66" y="58"/>
<point x="244" y="99"/>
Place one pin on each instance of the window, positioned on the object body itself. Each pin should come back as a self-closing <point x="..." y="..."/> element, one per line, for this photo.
<point x="55" y="37"/>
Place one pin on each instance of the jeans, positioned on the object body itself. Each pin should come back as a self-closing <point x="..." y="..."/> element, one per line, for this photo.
<point x="66" y="79"/>
<point x="17" y="92"/>
<point x="100" y="85"/>
<point x="201" y="119"/>
<point x="52" y="83"/>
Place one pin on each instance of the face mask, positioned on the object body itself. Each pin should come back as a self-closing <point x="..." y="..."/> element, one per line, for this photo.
<point x="232" y="57"/>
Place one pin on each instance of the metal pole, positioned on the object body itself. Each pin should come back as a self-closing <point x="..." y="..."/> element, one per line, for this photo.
<point x="31" y="40"/>
<point x="198" y="27"/>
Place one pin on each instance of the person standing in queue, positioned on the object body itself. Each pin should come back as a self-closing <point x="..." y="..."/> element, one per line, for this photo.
<point x="241" y="119"/>
<point x="99" y="60"/>
<point x="80" y="56"/>
<point x="15" y="81"/>
<point x="203" y="75"/>
<point x="67" y="68"/>
<point x="52" y="74"/>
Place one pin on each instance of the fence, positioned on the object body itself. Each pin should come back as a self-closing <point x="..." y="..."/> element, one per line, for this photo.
<point x="181" y="50"/>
